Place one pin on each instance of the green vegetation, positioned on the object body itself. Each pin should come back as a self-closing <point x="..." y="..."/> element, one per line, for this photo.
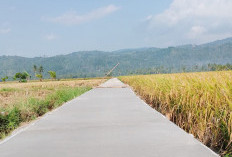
<point x="22" y="102"/>
<point x="25" y="76"/>
<point x="194" y="68"/>
<point x="39" y="75"/>
<point x="8" y="89"/>
<point x="4" y="78"/>
<point x="22" y="76"/>
<point x="10" y="118"/>
<point x="200" y="103"/>
<point x="132" y="61"/>
<point x="34" y="69"/>
<point x="219" y="67"/>
<point x="52" y="74"/>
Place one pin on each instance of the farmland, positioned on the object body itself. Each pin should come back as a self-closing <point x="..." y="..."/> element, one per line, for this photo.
<point x="200" y="103"/>
<point x="23" y="102"/>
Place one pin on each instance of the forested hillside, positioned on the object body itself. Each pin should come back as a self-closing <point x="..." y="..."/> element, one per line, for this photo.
<point x="144" y="60"/>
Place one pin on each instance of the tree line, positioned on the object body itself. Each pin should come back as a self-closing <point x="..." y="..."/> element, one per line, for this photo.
<point x="194" y="68"/>
<point x="25" y="76"/>
<point x="39" y="71"/>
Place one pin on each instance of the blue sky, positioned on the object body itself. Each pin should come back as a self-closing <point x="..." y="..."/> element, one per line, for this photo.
<point x="37" y="28"/>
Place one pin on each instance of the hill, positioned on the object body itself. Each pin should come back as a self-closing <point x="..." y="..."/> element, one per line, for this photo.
<point x="97" y="63"/>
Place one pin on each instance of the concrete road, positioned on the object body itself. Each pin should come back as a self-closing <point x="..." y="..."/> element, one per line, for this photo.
<point x="110" y="121"/>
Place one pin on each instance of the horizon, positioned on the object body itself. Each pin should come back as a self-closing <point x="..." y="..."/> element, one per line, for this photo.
<point x="67" y="53"/>
<point x="32" y="29"/>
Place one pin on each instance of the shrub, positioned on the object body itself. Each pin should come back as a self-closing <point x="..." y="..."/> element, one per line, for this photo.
<point x="34" y="107"/>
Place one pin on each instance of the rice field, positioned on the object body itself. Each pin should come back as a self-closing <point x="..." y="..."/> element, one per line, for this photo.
<point x="23" y="102"/>
<point x="200" y="103"/>
<point x="13" y="92"/>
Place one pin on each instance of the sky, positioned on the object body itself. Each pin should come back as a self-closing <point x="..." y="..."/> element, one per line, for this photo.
<point x="47" y="28"/>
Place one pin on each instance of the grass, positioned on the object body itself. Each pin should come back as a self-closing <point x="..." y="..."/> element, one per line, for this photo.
<point x="8" y="89"/>
<point x="200" y="103"/>
<point x="23" y="102"/>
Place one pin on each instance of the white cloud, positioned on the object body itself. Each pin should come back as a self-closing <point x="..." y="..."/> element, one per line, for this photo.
<point x="148" y="18"/>
<point x="193" y="21"/>
<point x="4" y="30"/>
<point x="50" y="36"/>
<point x="72" y="18"/>
<point x="196" y="31"/>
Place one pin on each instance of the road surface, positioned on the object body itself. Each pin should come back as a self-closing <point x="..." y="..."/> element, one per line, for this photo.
<point x="109" y="121"/>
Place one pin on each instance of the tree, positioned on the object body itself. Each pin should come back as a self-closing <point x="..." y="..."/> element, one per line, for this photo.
<point x="4" y="78"/>
<point x="41" y="69"/>
<point x="26" y="75"/>
<point x="22" y="76"/>
<point x="40" y="76"/>
<point x="18" y="76"/>
<point x="35" y="69"/>
<point x="52" y="74"/>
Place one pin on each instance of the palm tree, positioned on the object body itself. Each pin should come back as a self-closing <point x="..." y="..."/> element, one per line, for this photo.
<point x="41" y="69"/>
<point x="52" y="74"/>
<point x="40" y="75"/>
<point x="34" y="69"/>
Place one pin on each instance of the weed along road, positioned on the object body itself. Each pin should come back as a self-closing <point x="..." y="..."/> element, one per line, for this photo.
<point x="108" y="121"/>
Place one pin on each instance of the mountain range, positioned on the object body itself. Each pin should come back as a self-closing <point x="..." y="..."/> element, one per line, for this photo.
<point x="97" y="63"/>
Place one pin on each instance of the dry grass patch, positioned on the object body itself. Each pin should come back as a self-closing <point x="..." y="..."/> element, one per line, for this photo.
<point x="14" y="92"/>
